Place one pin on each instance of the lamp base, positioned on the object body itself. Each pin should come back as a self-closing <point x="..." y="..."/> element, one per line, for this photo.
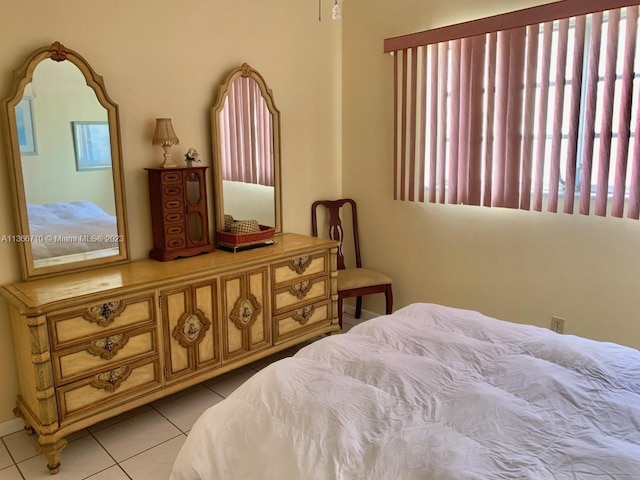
<point x="168" y="162"/>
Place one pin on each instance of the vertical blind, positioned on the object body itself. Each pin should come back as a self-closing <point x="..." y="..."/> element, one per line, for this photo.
<point x="514" y="109"/>
<point x="246" y="134"/>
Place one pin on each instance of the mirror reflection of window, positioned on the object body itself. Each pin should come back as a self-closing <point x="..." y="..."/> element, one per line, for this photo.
<point x="246" y="145"/>
<point x="246" y="135"/>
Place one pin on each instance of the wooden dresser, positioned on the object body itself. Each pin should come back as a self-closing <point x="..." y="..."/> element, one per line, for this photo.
<point x="91" y="345"/>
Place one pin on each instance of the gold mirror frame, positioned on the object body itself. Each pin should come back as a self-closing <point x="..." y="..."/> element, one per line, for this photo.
<point x="245" y="71"/>
<point x="22" y="77"/>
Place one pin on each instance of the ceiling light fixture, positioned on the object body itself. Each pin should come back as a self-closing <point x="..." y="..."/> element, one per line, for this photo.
<point x="336" y="11"/>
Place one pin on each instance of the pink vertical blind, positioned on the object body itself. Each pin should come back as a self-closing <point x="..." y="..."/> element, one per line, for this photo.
<point x="535" y="109"/>
<point x="246" y="135"/>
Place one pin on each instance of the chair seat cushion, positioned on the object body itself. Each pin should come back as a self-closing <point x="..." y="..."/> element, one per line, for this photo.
<point x="351" y="278"/>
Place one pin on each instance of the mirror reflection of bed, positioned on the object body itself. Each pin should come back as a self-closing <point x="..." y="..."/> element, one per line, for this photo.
<point x="65" y="232"/>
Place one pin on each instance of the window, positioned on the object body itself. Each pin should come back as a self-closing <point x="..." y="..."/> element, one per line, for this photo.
<point x="504" y="110"/>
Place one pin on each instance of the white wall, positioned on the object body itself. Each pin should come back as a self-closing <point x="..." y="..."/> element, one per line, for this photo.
<point x="162" y="58"/>
<point x="520" y="266"/>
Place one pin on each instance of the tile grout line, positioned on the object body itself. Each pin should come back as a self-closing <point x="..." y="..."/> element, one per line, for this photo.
<point x="168" y="420"/>
<point x="15" y="464"/>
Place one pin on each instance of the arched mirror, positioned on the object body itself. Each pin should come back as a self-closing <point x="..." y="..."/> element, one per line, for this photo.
<point x="246" y="145"/>
<point x="66" y="167"/>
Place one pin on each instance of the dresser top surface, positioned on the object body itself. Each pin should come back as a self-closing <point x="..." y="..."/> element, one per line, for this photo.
<point x="37" y="294"/>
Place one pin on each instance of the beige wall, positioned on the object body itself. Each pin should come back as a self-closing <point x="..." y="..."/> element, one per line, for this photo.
<point x="165" y="58"/>
<point x="514" y="265"/>
<point x="159" y="58"/>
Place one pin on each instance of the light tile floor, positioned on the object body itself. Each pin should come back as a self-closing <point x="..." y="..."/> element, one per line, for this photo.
<point x="138" y="445"/>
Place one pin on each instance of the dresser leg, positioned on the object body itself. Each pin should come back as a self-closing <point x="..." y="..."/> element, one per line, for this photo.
<point x="52" y="452"/>
<point x="29" y="429"/>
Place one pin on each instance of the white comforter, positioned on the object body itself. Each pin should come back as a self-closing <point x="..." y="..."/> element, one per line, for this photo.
<point x="60" y="228"/>
<point x="429" y="393"/>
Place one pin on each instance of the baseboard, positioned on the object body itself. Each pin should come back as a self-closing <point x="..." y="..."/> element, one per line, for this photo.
<point x="364" y="314"/>
<point x="12" y="426"/>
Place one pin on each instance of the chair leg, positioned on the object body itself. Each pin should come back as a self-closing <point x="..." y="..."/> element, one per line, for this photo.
<point x="340" y="311"/>
<point x="388" y="295"/>
<point x="358" y="307"/>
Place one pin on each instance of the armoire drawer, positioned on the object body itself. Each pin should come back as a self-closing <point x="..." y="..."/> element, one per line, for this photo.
<point x="100" y="319"/>
<point x="301" y="320"/>
<point x="108" y="388"/>
<point x="103" y="353"/>
<point x="300" y="293"/>
<point x="296" y="268"/>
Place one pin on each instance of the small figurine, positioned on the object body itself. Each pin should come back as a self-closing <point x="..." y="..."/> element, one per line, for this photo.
<point x="191" y="156"/>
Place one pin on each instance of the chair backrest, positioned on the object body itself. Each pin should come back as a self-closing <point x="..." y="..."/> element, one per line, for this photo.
<point x="336" y="230"/>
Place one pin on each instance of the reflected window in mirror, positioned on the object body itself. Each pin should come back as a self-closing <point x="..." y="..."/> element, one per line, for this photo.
<point x="246" y="135"/>
<point x="67" y="182"/>
<point x="246" y="138"/>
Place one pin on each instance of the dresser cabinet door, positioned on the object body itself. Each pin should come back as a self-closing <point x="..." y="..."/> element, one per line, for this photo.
<point x="191" y="332"/>
<point x="246" y="310"/>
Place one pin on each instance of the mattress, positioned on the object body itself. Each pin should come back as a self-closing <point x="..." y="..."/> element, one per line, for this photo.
<point x="429" y="392"/>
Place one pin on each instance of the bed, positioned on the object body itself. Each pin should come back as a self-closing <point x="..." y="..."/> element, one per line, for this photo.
<point x="60" y="229"/>
<point x="429" y="392"/>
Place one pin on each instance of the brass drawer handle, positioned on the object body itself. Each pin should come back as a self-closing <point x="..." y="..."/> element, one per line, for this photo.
<point x="104" y="314"/>
<point x="300" y="289"/>
<point x="106" y="348"/>
<point x="302" y="315"/>
<point x="111" y="380"/>
<point x="300" y="264"/>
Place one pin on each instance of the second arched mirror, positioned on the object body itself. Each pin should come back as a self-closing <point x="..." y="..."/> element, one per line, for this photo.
<point x="65" y="165"/>
<point x="246" y="144"/>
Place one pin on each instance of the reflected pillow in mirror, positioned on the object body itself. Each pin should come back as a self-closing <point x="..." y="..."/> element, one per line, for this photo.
<point x="228" y="221"/>
<point x="245" y="226"/>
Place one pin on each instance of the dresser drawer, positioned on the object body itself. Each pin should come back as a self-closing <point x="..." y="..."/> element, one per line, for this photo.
<point x="173" y="204"/>
<point x="300" y="293"/>
<point x="301" y="320"/>
<point x="298" y="267"/>
<point x="103" y="353"/>
<point x="99" y="319"/>
<point x="108" y="388"/>
<point x="172" y="190"/>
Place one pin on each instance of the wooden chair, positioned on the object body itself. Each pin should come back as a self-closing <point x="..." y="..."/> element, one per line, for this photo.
<point x="352" y="282"/>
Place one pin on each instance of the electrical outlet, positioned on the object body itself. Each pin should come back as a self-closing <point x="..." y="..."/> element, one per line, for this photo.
<point x="557" y="324"/>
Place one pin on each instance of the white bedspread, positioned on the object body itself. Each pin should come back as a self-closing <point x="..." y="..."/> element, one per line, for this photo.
<point x="429" y="393"/>
<point x="60" y="229"/>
